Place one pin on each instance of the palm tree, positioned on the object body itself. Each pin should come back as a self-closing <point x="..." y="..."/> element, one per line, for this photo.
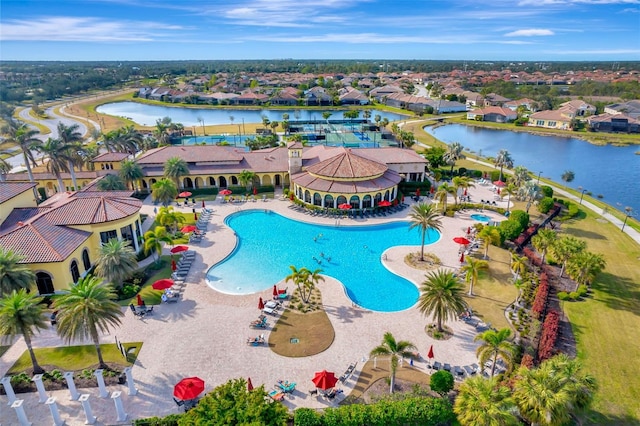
<point x="72" y="139"/>
<point x="564" y="248"/>
<point x="131" y="172"/>
<point x="503" y="159"/>
<point x="111" y="183"/>
<point x="584" y="266"/>
<point x="518" y="265"/>
<point x="471" y="271"/>
<point x="175" y="168"/>
<point x="495" y="344"/>
<point x="393" y="348"/>
<point x="14" y="275"/>
<point x="441" y="296"/>
<point x="520" y="176"/>
<point x="305" y="280"/>
<point x="568" y="176"/>
<point x="153" y="240"/>
<point x="246" y="177"/>
<point x="312" y="280"/>
<point x="20" y="134"/>
<point x="167" y="216"/>
<point x="485" y="402"/>
<point x="116" y="261"/>
<point x="164" y="191"/>
<point x="529" y="192"/>
<point x="453" y="154"/>
<point x="129" y="139"/>
<point x="442" y="195"/>
<point x="581" y="386"/>
<point x="87" y="309"/>
<point x="424" y="217"/>
<point x="489" y="235"/>
<point x="509" y="190"/>
<point x="21" y="314"/>
<point x="543" y="240"/>
<point x="463" y="182"/>
<point x="58" y="159"/>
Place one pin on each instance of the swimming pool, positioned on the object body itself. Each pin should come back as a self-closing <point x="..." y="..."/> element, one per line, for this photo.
<point x="269" y="243"/>
<point x="480" y="217"/>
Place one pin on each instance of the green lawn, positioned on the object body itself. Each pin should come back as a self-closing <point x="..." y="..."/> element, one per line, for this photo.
<point x="148" y="294"/>
<point x="74" y="358"/>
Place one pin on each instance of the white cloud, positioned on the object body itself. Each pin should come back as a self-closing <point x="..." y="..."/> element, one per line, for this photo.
<point x="84" y="29"/>
<point x="530" y="32"/>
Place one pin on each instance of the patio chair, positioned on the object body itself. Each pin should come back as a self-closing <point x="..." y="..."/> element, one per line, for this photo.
<point x="269" y="311"/>
<point x="436" y="365"/>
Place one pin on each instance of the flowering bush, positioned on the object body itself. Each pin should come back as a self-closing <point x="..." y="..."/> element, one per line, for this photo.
<point x="549" y="335"/>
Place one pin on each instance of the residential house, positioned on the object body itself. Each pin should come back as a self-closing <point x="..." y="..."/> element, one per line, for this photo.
<point x="614" y="123"/>
<point x="317" y="96"/>
<point x="493" y="99"/>
<point x="493" y="114"/>
<point x="550" y="119"/>
<point x="287" y="96"/>
<point x="250" y="98"/>
<point x="630" y="108"/>
<point x="352" y="96"/>
<point x="578" y="107"/>
<point x="529" y="104"/>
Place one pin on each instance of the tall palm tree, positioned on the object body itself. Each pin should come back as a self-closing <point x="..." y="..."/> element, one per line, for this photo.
<point x="87" y="309"/>
<point x="393" y="348"/>
<point x="520" y="176"/>
<point x="175" y="168"/>
<point x="581" y="386"/>
<point x="131" y="172"/>
<point x="584" y="266"/>
<point x="153" y="240"/>
<point x="164" y="191"/>
<point x="424" y="217"/>
<point x="246" y="177"/>
<point x="496" y="344"/>
<point x="21" y="314"/>
<point x="167" y="216"/>
<point x="508" y="191"/>
<point x="58" y="159"/>
<point x="518" y="265"/>
<point x="111" y="183"/>
<point x="485" y="402"/>
<point x="529" y="192"/>
<point x="453" y="154"/>
<point x="489" y="235"/>
<point x="72" y="139"/>
<point x="442" y="194"/>
<point x="129" y="139"/>
<point x="566" y="247"/>
<point x="472" y="269"/>
<point x="14" y="275"/>
<point x="543" y="240"/>
<point x="20" y="134"/>
<point x="441" y="296"/>
<point x="503" y="159"/>
<point x="161" y="132"/>
<point x="305" y="280"/>
<point x="116" y="261"/>
<point x="461" y="182"/>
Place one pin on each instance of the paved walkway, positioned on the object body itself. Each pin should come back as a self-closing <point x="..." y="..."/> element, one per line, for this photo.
<point x="204" y="334"/>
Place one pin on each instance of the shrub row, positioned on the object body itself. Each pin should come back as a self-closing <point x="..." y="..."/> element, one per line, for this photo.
<point x="574" y="295"/>
<point x="533" y="257"/>
<point x="549" y="336"/>
<point x="540" y="301"/>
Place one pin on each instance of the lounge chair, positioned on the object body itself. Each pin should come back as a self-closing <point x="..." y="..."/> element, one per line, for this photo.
<point x="269" y="311"/>
<point x="276" y="395"/>
<point x="436" y="365"/>
<point x="286" y="386"/>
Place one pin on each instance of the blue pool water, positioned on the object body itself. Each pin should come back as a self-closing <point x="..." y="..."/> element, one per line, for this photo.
<point x="480" y="217"/>
<point x="269" y="243"/>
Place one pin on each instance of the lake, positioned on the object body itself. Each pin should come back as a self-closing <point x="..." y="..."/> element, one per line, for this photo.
<point x="146" y="115"/>
<point x="609" y="170"/>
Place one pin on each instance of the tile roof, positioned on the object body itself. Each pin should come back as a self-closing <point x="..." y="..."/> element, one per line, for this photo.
<point x="347" y="165"/>
<point x="8" y="190"/>
<point x="388" y="180"/>
<point x="90" y="209"/>
<point x="190" y="154"/>
<point x="111" y="156"/>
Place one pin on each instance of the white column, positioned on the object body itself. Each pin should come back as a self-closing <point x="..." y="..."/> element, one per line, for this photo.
<point x="22" y="417"/>
<point x="104" y="393"/>
<point x="72" y="386"/>
<point x="42" y="393"/>
<point x="132" y="387"/>
<point x="84" y="399"/>
<point x="8" y="389"/>
<point x="53" y="407"/>
<point x="116" y="396"/>
<point x="375" y="362"/>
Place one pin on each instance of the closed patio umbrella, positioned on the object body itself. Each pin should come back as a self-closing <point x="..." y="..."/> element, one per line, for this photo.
<point x="260" y="304"/>
<point x="249" y="384"/>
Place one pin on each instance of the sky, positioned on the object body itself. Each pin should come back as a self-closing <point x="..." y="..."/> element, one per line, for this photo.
<point x="527" y="30"/>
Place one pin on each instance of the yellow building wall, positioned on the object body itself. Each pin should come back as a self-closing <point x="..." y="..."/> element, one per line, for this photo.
<point x="335" y="195"/>
<point x="108" y="165"/>
<point x="25" y="199"/>
<point x="203" y="180"/>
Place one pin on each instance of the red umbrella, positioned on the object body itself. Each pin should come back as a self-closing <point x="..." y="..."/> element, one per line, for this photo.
<point x="498" y="191"/>
<point x="260" y="304"/>
<point x="162" y="284"/>
<point x="468" y="230"/>
<point x="188" y="388"/>
<point x="498" y="183"/>
<point x="395" y="202"/>
<point x="226" y="192"/>
<point x="344" y="206"/>
<point x="418" y="192"/>
<point x="195" y="216"/>
<point x="432" y="190"/>
<point x="188" y="228"/>
<point x="140" y="302"/>
<point x="465" y="192"/>
<point x="462" y="258"/>
<point x="324" y="380"/>
<point x="179" y="249"/>
<point x="255" y="191"/>
<point x="461" y="240"/>
<point x="173" y="265"/>
<point x="184" y="194"/>
<point x="384" y="203"/>
<point x="275" y="291"/>
<point x="430" y="354"/>
<point x="203" y="206"/>
<point x="402" y="199"/>
<point x="249" y="384"/>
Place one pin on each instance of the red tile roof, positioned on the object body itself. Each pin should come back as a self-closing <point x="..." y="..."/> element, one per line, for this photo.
<point x="111" y="156"/>
<point x="347" y="165"/>
<point x="8" y="190"/>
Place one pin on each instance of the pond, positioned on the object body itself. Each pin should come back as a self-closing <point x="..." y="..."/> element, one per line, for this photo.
<point x="146" y="115"/>
<point x="612" y="171"/>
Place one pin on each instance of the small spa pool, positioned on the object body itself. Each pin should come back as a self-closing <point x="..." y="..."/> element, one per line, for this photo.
<point x="480" y="217"/>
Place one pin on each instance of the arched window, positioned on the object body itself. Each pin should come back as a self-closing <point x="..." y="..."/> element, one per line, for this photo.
<point x="75" y="272"/>
<point x="386" y="195"/>
<point x="328" y="201"/>
<point x="307" y="196"/>
<point x="223" y="182"/>
<point x="378" y="198"/>
<point x="317" y="199"/>
<point x="212" y="181"/>
<point x="354" y="201"/>
<point x="234" y="180"/>
<point x="341" y="200"/>
<point x="86" y="262"/>
<point x="366" y="201"/>
<point x="44" y="283"/>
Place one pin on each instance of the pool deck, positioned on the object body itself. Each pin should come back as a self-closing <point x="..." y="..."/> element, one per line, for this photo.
<point x="205" y="333"/>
